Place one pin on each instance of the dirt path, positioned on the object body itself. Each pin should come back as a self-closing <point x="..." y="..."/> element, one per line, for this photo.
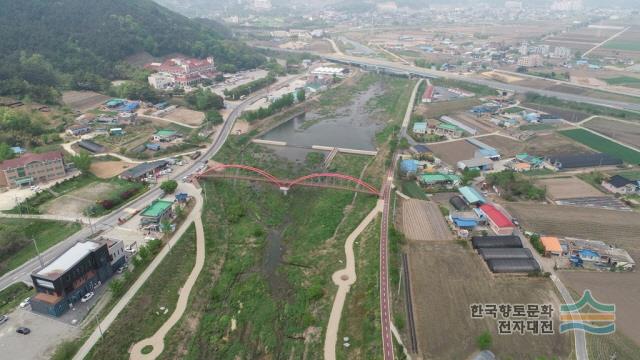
<point x="344" y="279"/>
<point x="157" y="340"/>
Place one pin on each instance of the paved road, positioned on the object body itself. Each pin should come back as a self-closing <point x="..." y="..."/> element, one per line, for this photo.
<point x="428" y="73"/>
<point x="111" y="220"/>
<point x="385" y="298"/>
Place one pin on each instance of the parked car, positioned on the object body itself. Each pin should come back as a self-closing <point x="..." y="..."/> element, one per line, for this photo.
<point x="25" y="303"/>
<point x="3" y="319"/>
<point x="23" y="330"/>
<point x="120" y="270"/>
<point x="87" y="297"/>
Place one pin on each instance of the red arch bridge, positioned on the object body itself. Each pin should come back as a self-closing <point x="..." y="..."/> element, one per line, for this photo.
<point x="322" y="180"/>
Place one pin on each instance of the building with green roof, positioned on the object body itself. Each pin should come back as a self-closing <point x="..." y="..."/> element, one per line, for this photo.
<point x="157" y="211"/>
<point x="471" y="195"/>
<point x="439" y="179"/>
<point x="165" y="135"/>
<point x="449" y="130"/>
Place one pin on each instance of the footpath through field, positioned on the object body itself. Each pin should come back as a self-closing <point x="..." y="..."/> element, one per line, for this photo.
<point x="157" y="340"/>
<point x="344" y="278"/>
<point x="194" y="215"/>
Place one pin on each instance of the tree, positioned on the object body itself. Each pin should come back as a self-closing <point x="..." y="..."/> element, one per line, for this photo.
<point x="165" y="226"/>
<point x="484" y="341"/>
<point x="214" y="117"/>
<point x="169" y="186"/>
<point x="5" y="151"/>
<point x="301" y="95"/>
<point x="204" y="100"/>
<point x="82" y="161"/>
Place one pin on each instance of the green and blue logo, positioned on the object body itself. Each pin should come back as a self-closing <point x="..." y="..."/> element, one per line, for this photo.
<point x="600" y="321"/>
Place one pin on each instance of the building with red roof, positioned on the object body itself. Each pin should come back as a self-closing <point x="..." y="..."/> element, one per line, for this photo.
<point x="183" y="71"/>
<point x="30" y="169"/>
<point x="427" y="95"/>
<point x="499" y="222"/>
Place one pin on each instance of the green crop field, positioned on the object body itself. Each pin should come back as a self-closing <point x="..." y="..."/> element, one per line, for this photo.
<point x="624" y="81"/>
<point x="623" y="45"/>
<point x="601" y="144"/>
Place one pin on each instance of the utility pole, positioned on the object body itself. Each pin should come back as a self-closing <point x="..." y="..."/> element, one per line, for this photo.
<point x="99" y="328"/>
<point x="38" y="252"/>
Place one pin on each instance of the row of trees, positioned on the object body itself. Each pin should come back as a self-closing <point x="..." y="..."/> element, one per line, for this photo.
<point x="283" y="102"/>
<point x="246" y="89"/>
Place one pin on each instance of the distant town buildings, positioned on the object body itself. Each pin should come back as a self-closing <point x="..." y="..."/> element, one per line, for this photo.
<point x="261" y="4"/>
<point x="181" y="71"/>
<point x="561" y="52"/>
<point x="30" y="169"/>
<point x="567" y="5"/>
<point x="534" y="60"/>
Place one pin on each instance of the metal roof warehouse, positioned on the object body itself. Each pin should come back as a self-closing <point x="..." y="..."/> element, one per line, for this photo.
<point x="143" y="169"/>
<point x="510" y="241"/>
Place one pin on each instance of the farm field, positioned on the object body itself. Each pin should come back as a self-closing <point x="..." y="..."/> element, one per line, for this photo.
<point x="422" y="221"/>
<point x="567" y="188"/>
<point x="448" y="278"/>
<point x="614" y="227"/>
<point x="552" y="143"/>
<point x="507" y="147"/>
<point x="601" y="144"/>
<point x="437" y="109"/>
<point x="109" y="169"/>
<point x="454" y="151"/>
<point x="622" y="131"/>
<point x="472" y="121"/>
<point x="83" y="100"/>
<point x="628" y="81"/>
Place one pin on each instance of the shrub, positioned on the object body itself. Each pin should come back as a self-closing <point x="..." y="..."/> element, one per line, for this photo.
<point x="484" y="341"/>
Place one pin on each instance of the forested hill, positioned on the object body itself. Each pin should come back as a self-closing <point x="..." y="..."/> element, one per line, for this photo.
<point x="82" y="41"/>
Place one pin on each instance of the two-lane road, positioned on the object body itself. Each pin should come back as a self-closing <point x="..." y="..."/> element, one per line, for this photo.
<point x="109" y="221"/>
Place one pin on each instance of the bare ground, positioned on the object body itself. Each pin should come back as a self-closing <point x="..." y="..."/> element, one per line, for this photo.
<point x="109" y="169"/>
<point x="446" y="279"/>
<point x="616" y="228"/>
<point x="567" y="188"/>
<point x="454" y="151"/>
<point x="186" y="116"/>
<point x="621" y="131"/>
<point x="83" y="100"/>
<point x="422" y="221"/>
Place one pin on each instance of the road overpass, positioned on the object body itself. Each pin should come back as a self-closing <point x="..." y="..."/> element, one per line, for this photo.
<point x="389" y="67"/>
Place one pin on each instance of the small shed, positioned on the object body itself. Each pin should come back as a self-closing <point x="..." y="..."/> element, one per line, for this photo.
<point x="409" y="167"/>
<point x="471" y="195"/>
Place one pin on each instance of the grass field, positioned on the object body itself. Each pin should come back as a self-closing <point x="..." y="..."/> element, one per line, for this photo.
<point x="624" y="81"/>
<point x="16" y="245"/>
<point x="413" y="190"/>
<point x="601" y="144"/>
<point x="13" y="295"/>
<point x="142" y="316"/>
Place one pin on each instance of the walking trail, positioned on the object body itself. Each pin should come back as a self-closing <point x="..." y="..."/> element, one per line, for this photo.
<point x="194" y="216"/>
<point x="157" y="340"/>
<point x="344" y="279"/>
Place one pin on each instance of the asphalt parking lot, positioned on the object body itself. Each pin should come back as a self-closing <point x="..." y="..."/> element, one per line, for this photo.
<point x="46" y="334"/>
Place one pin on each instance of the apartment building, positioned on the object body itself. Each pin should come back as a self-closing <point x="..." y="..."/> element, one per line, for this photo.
<point x="30" y="169"/>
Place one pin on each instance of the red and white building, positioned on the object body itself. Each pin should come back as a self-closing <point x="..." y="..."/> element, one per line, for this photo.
<point x="181" y="71"/>
<point x="427" y="96"/>
<point x="498" y="221"/>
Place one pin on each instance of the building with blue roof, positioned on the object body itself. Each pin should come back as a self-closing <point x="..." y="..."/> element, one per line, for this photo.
<point x="464" y="223"/>
<point x="588" y="255"/>
<point x="17" y="150"/>
<point x="471" y="195"/>
<point x="488" y="153"/>
<point x="409" y="167"/>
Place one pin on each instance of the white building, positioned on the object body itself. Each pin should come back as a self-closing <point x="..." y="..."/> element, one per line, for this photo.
<point x="561" y="52"/>
<point x="161" y="80"/>
<point x="325" y="70"/>
<point x="530" y="61"/>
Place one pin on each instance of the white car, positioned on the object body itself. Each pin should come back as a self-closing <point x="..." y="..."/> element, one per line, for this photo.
<point x="25" y="303"/>
<point x="87" y="297"/>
